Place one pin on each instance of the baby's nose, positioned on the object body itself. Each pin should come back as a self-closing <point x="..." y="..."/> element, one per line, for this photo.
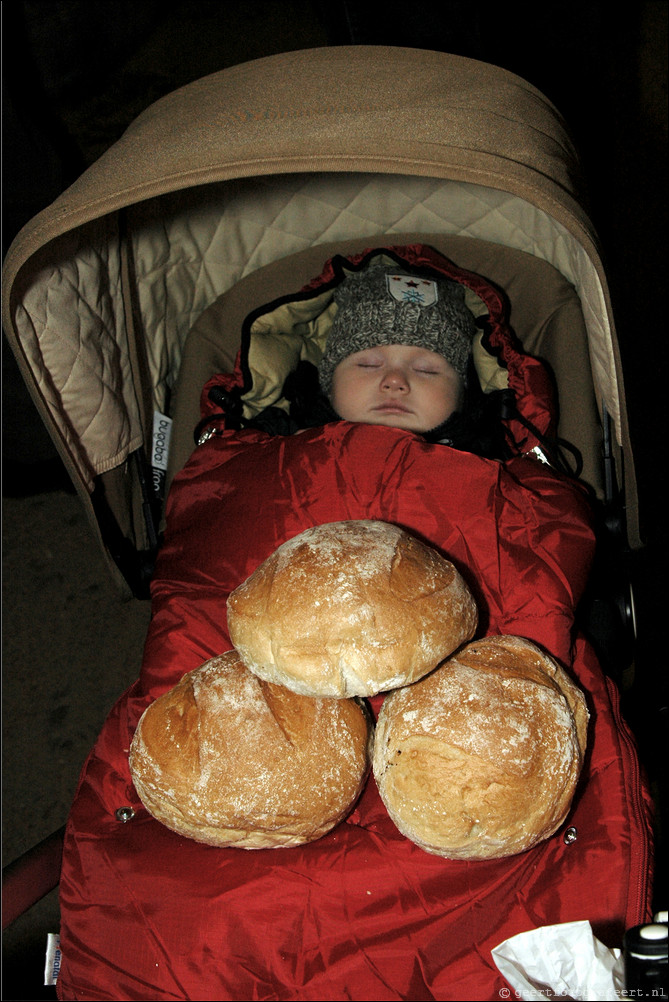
<point x="394" y="379"/>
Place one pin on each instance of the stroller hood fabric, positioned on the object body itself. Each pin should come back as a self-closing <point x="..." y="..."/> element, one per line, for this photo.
<point x="250" y="165"/>
<point x="362" y="913"/>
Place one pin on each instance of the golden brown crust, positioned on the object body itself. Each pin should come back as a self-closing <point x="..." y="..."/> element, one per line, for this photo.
<point x="227" y="759"/>
<point x="480" y="759"/>
<point x="350" y="608"/>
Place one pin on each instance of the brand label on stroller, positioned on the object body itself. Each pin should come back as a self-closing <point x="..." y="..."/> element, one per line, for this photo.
<point x="52" y="962"/>
<point x="162" y="430"/>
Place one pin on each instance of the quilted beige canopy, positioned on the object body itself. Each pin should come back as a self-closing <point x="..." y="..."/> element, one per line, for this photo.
<point x="254" y="163"/>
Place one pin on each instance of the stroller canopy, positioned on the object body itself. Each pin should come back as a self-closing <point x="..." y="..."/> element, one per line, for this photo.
<point x="261" y="160"/>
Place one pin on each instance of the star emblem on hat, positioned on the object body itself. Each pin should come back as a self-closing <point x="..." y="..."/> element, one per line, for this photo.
<point x="405" y="289"/>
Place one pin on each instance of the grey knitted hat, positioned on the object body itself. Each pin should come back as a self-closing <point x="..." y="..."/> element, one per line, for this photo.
<point x="387" y="305"/>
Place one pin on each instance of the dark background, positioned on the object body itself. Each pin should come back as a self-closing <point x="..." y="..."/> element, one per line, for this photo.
<point x="75" y="74"/>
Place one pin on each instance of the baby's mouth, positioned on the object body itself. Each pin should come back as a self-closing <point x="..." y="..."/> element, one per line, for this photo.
<point x="393" y="407"/>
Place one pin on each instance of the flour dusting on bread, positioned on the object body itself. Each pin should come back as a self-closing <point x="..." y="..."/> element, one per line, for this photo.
<point x="350" y="608"/>
<point x="481" y="759"/>
<point x="227" y="759"/>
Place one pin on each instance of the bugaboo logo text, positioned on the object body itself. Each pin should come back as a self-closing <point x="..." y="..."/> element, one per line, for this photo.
<point x="162" y="430"/>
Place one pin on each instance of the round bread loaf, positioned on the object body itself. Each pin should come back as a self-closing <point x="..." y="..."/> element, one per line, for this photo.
<point x="350" y="609"/>
<point x="227" y="759"/>
<point x="480" y="759"/>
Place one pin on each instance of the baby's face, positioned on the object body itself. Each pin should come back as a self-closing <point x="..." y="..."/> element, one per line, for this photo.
<point x="397" y="385"/>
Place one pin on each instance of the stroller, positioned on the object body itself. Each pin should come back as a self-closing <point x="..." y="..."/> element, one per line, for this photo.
<point x="125" y="299"/>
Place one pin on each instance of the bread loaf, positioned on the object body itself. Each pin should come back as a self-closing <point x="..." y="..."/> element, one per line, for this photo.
<point x="480" y="759"/>
<point x="227" y="759"/>
<point x="350" y="609"/>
